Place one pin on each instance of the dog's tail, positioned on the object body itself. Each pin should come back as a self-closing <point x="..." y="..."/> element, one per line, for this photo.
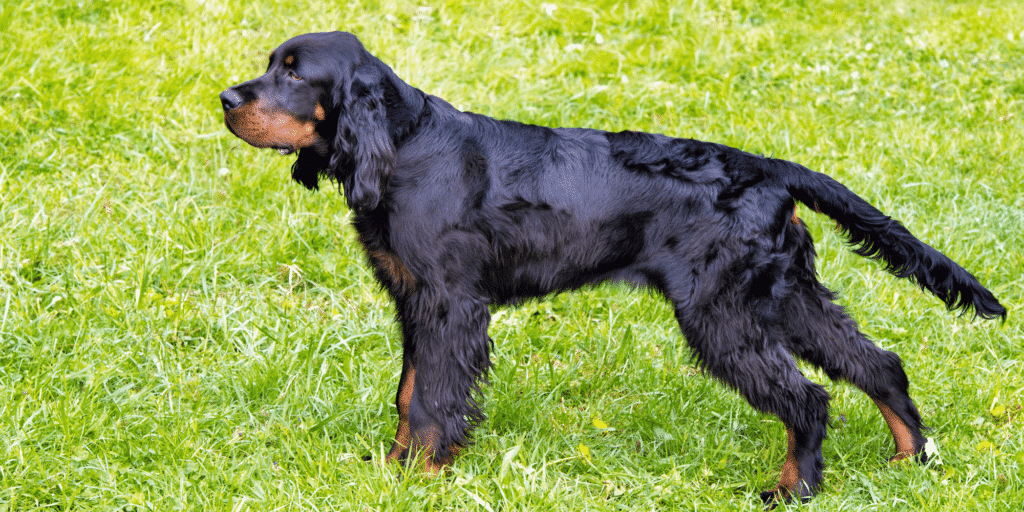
<point x="877" y="236"/>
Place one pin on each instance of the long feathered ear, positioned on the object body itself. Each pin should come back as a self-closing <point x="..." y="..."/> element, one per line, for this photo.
<point x="364" y="154"/>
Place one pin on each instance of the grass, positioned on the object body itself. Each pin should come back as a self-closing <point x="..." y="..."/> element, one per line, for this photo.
<point x="181" y="328"/>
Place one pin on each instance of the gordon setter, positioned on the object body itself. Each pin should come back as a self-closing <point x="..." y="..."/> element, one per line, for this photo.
<point x="458" y="211"/>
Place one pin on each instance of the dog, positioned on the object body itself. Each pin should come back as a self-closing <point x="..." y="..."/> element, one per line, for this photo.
<point x="458" y="211"/>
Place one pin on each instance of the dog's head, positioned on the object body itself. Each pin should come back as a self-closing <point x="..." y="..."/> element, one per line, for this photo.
<point x="324" y="96"/>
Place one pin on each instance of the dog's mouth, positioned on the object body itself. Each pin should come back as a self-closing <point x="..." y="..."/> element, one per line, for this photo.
<point x="284" y="150"/>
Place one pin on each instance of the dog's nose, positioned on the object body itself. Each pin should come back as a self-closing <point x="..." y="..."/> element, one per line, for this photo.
<point x="230" y="99"/>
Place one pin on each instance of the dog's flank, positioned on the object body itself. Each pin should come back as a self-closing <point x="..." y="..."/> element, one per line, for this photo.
<point x="458" y="211"/>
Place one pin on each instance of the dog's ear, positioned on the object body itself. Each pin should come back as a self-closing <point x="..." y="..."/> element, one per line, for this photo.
<point x="363" y="154"/>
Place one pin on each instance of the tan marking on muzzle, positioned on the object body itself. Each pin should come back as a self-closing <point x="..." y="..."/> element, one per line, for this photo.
<point x="266" y="126"/>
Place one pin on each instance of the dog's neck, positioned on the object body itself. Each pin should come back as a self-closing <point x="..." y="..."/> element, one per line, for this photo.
<point x="405" y="105"/>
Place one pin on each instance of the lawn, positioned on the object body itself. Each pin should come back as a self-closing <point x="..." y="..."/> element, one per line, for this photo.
<point x="183" y="328"/>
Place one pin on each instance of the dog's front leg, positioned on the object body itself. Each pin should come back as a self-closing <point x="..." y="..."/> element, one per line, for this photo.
<point x="400" y="447"/>
<point x="447" y="355"/>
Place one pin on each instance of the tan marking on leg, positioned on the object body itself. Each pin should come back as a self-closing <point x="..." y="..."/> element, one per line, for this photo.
<point x="421" y="444"/>
<point x="789" y="480"/>
<point x="425" y="453"/>
<point x="434" y="468"/>
<point x="402" y="280"/>
<point x="900" y="433"/>
<point x="794" y="219"/>
<point x="403" y="436"/>
<point x="790" y="476"/>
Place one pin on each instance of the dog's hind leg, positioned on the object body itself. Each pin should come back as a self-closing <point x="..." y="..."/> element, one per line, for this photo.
<point x="733" y="346"/>
<point x="822" y="334"/>
<point x="818" y="331"/>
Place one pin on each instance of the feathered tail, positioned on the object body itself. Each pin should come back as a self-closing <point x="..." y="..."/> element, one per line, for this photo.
<point x="877" y="236"/>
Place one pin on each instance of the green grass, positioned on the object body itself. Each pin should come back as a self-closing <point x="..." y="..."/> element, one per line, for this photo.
<point x="183" y="328"/>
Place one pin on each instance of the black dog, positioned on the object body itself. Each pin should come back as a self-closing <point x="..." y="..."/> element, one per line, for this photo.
<point x="457" y="211"/>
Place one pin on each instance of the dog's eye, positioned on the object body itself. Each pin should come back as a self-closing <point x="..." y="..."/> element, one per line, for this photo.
<point x="293" y="76"/>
